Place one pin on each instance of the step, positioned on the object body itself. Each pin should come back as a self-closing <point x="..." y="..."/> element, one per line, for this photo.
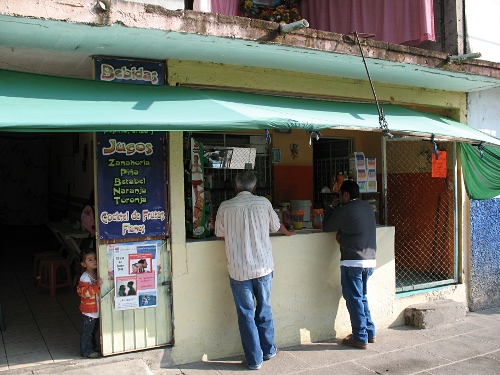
<point x="435" y="313"/>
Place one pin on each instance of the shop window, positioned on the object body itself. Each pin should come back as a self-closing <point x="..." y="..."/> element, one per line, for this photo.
<point x="224" y="156"/>
<point x="330" y="157"/>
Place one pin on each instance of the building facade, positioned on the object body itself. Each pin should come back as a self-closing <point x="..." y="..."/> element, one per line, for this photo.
<point x="306" y="80"/>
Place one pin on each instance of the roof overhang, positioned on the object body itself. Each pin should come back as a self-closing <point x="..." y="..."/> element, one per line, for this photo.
<point x="61" y="38"/>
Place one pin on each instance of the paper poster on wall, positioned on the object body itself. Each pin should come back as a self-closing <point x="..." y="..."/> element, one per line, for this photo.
<point x="439" y="165"/>
<point x="198" y="189"/>
<point x="135" y="270"/>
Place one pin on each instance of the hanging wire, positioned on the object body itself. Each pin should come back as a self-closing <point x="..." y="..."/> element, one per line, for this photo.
<point x="381" y="117"/>
<point x="310" y="134"/>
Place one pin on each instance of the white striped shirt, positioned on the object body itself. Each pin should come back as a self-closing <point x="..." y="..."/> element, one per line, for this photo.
<point x="245" y="222"/>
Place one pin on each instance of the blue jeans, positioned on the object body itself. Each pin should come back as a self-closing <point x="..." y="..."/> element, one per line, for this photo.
<point x="354" y="288"/>
<point x="255" y="322"/>
<point x="87" y="336"/>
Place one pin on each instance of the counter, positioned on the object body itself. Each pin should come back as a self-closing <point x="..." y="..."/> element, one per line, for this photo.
<point x="275" y="234"/>
<point x="306" y="294"/>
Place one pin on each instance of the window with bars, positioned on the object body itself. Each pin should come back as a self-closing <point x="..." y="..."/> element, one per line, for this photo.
<point x="222" y="179"/>
<point x="330" y="156"/>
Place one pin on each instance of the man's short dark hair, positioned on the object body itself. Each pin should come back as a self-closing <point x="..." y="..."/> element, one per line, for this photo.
<point x="350" y="187"/>
<point x="245" y="181"/>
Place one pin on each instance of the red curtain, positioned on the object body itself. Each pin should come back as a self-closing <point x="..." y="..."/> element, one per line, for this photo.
<point x="408" y="22"/>
<point x="229" y="7"/>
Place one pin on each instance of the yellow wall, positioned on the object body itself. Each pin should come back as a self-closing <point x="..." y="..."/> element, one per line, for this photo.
<point x="287" y="82"/>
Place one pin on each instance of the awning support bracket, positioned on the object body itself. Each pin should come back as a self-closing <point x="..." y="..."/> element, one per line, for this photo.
<point x="310" y="134"/>
<point x="434" y="147"/>
<point x="381" y="117"/>
<point x="480" y="147"/>
<point x="267" y="136"/>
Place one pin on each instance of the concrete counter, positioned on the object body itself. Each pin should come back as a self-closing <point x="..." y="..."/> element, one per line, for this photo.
<point x="306" y="295"/>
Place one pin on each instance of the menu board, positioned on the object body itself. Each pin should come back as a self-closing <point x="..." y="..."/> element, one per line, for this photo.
<point x="130" y="185"/>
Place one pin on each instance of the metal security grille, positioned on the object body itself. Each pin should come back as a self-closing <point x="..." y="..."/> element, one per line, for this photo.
<point x="222" y="179"/>
<point x="422" y="210"/>
<point x="330" y="157"/>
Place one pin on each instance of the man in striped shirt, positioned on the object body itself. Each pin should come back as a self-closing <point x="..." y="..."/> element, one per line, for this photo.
<point x="244" y="222"/>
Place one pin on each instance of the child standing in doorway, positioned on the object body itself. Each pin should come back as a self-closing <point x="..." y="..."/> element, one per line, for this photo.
<point x="88" y="289"/>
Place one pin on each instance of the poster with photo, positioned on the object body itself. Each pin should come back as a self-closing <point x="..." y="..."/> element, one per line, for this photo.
<point x="135" y="269"/>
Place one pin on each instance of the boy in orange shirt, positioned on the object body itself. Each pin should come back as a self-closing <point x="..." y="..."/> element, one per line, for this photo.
<point x="88" y="288"/>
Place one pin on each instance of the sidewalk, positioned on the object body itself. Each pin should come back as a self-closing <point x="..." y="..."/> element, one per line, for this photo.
<point x="471" y="346"/>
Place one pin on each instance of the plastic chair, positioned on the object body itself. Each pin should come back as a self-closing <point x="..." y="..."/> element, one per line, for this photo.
<point x="48" y="274"/>
<point x="40" y="256"/>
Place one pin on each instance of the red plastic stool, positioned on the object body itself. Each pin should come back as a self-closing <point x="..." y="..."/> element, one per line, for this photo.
<point x="40" y="256"/>
<point x="47" y="275"/>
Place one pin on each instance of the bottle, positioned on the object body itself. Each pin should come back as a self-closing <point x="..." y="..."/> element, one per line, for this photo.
<point x="317" y="221"/>
<point x="286" y="219"/>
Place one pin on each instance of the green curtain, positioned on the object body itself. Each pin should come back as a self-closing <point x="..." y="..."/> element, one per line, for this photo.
<point x="481" y="174"/>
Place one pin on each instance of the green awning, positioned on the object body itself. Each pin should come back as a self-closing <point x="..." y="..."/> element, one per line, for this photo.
<point x="38" y="103"/>
<point x="481" y="169"/>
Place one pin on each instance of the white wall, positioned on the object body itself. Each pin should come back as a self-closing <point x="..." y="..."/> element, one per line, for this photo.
<point x="168" y="4"/>
<point x="484" y="111"/>
<point x="482" y="27"/>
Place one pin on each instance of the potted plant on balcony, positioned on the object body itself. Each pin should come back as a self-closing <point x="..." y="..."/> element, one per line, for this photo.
<point x="282" y="11"/>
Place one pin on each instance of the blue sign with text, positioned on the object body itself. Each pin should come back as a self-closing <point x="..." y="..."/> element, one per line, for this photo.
<point x="130" y="184"/>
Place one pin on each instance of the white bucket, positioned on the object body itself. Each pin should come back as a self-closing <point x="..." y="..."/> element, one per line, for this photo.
<point x="302" y="205"/>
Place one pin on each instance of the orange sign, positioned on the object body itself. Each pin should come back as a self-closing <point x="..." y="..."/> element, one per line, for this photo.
<point x="439" y="165"/>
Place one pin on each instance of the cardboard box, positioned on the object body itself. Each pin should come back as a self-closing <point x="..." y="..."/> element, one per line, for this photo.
<point x="371" y="186"/>
<point x="362" y="186"/>
<point x="371" y="175"/>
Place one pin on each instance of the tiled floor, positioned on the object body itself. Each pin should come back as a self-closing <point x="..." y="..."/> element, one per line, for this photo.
<point x="39" y="329"/>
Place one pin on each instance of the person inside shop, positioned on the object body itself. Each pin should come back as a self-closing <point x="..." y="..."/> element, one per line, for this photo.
<point x="244" y="222"/>
<point x="88" y="289"/>
<point x="354" y="222"/>
<point x="88" y="218"/>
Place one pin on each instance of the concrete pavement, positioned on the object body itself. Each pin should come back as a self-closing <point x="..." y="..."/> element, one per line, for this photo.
<point x="471" y="346"/>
